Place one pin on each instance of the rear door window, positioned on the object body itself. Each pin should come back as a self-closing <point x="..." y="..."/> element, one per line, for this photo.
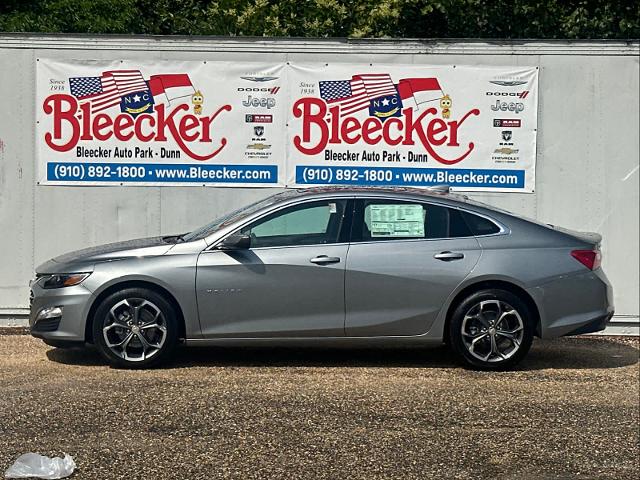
<point x="381" y="219"/>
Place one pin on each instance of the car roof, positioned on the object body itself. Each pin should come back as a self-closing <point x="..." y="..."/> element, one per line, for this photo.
<point x="434" y="192"/>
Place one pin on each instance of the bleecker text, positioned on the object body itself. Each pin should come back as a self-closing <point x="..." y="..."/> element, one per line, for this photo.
<point x="322" y="126"/>
<point x="72" y="123"/>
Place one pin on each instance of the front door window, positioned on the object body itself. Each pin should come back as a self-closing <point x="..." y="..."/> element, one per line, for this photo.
<point x="311" y="223"/>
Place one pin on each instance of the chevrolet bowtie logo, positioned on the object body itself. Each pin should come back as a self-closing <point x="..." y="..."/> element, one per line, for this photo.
<point x="505" y="150"/>
<point x="258" y="146"/>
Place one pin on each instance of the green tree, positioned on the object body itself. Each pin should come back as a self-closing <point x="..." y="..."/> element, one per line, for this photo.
<point x="619" y="19"/>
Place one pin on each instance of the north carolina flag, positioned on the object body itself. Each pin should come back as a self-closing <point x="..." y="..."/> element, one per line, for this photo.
<point x="414" y="91"/>
<point x="171" y="85"/>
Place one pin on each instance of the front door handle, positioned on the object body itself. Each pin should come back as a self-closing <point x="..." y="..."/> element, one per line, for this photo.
<point x="447" y="256"/>
<point x="324" y="260"/>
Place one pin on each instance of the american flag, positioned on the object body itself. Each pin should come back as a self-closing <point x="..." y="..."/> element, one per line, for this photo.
<point x="356" y="94"/>
<point x="106" y="91"/>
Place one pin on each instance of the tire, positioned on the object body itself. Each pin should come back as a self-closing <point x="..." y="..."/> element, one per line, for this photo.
<point x="135" y="328"/>
<point x="491" y="330"/>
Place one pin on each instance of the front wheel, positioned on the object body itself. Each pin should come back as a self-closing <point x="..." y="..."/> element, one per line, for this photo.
<point x="491" y="329"/>
<point x="135" y="328"/>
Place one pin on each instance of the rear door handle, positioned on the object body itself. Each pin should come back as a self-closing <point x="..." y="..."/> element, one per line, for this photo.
<point x="447" y="256"/>
<point x="324" y="260"/>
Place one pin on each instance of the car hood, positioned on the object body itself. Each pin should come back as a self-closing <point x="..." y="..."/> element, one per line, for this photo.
<point x="87" y="257"/>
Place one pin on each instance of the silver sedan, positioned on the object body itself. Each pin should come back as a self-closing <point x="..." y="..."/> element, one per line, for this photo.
<point x="354" y="266"/>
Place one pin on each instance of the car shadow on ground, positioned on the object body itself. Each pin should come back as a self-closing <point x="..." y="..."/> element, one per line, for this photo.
<point x="565" y="353"/>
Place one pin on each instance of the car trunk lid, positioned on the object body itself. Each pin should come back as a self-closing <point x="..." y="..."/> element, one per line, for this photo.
<point x="591" y="238"/>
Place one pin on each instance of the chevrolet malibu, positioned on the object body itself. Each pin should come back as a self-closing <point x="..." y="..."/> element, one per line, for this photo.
<point x="353" y="266"/>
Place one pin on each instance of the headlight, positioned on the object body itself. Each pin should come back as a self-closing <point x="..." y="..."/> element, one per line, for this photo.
<point x="60" y="280"/>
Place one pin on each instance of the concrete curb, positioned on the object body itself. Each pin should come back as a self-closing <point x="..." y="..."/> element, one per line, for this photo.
<point x="14" y="330"/>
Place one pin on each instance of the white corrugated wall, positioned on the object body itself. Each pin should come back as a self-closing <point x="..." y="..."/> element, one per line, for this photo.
<point x="586" y="174"/>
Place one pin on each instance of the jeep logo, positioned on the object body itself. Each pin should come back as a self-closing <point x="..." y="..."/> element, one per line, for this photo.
<point x="259" y="102"/>
<point x="499" y="106"/>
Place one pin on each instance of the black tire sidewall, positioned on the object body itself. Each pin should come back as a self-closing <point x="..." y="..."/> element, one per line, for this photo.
<point x="102" y="313"/>
<point x="455" y="325"/>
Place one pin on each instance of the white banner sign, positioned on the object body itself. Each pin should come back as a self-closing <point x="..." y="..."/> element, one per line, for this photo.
<point x="160" y="123"/>
<point x="244" y="124"/>
<point x="473" y="128"/>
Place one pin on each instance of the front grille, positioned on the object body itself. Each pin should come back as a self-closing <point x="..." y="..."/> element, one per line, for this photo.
<point x="30" y="299"/>
<point x="47" y="325"/>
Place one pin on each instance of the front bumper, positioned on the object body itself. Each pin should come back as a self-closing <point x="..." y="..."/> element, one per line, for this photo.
<point x="59" y="314"/>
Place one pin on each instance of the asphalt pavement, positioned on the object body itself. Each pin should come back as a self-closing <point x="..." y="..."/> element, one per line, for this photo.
<point x="571" y="410"/>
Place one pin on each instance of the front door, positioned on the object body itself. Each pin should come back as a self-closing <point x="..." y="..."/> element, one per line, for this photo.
<point x="404" y="261"/>
<point x="290" y="283"/>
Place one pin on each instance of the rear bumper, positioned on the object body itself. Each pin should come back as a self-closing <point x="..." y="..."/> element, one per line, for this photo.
<point x="575" y="304"/>
<point x="597" y="325"/>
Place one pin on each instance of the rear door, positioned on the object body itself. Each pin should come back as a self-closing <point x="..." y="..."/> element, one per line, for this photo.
<point x="290" y="283"/>
<point x="405" y="259"/>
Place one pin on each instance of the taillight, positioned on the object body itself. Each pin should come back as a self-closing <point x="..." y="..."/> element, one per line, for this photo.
<point x="589" y="258"/>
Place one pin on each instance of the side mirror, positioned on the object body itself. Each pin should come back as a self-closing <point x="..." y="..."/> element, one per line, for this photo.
<point x="236" y="242"/>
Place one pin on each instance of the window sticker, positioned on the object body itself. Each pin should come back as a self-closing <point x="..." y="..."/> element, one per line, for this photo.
<point x="395" y="220"/>
<point x="332" y="208"/>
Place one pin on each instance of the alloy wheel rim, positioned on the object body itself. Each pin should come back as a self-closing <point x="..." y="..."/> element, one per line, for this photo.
<point x="136" y="329"/>
<point x="492" y="331"/>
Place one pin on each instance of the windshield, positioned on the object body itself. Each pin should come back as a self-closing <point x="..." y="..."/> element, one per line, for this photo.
<point x="206" y="230"/>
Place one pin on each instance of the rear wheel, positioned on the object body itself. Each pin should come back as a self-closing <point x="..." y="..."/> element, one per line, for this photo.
<point x="491" y="329"/>
<point x="135" y="328"/>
